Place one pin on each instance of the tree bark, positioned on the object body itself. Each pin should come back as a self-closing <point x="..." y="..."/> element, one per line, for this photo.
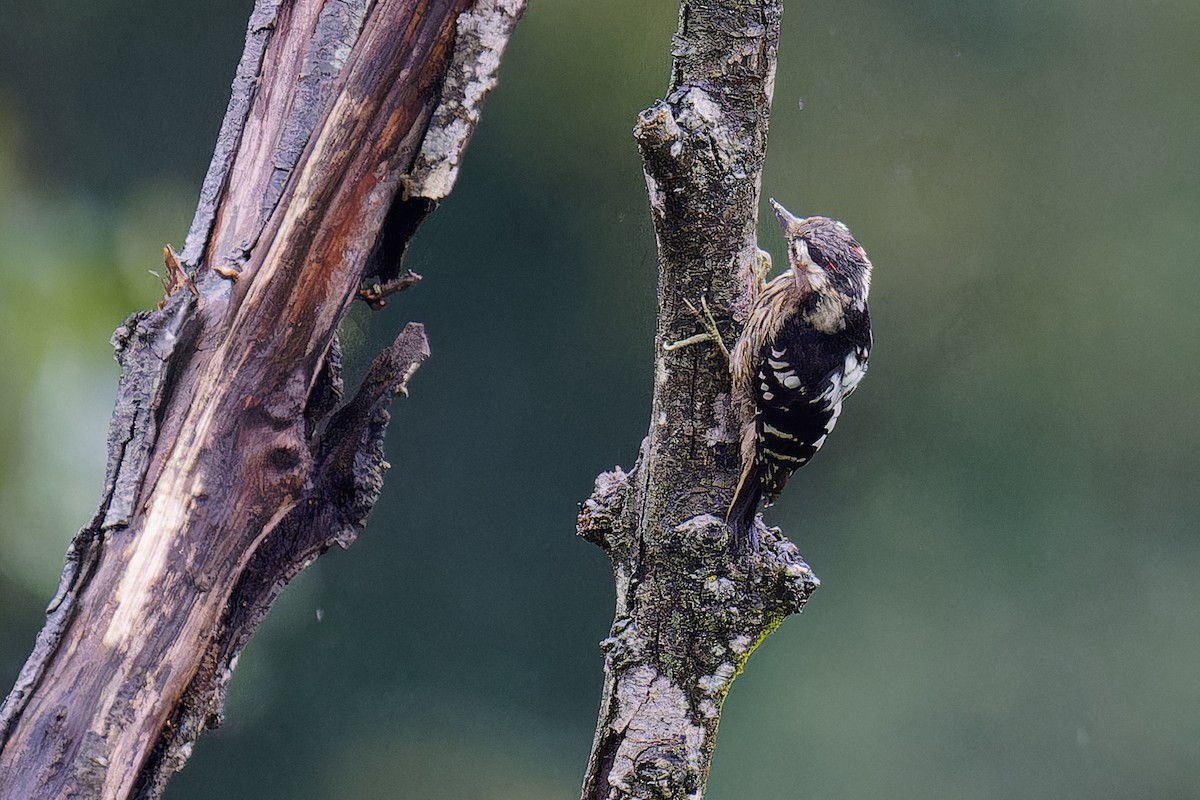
<point x="233" y="460"/>
<point x="689" y="609"/>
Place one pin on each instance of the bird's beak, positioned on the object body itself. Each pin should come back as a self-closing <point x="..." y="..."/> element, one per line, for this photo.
<point x="789" y="221"/>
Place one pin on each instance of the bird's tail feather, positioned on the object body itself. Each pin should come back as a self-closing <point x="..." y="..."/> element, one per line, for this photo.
<point x="744" y="507"/>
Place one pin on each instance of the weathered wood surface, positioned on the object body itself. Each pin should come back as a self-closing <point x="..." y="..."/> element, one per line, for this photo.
<point x="690" y="610"/>
<point x="233" y="459"/>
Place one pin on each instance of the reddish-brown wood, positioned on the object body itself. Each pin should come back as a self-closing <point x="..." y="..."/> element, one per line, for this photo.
<point x="233" y="462"/>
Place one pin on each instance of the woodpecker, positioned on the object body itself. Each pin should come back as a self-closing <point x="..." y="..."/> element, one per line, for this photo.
<point x="803" y="351"/>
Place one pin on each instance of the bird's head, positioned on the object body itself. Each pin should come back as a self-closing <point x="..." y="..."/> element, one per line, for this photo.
<point x="824" y="255"/>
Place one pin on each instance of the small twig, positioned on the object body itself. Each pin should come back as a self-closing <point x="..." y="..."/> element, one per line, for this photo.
<point x="177" y="277"/>
<point x="375" y="293"/>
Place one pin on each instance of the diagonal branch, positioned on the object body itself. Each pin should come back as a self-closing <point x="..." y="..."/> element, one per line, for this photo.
<point x="689" y="612"/>
<point x="233" y="462"/>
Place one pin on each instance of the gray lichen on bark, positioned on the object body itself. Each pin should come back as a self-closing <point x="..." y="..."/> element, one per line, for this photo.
<point x="689" y="609"/>
<point x="481" y="36"/>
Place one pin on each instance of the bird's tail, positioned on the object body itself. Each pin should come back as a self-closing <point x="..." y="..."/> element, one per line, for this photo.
<point x="744" y="507"/>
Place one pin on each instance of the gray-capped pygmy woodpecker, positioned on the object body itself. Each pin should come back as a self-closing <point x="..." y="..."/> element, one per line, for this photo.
<point x="803" y="351"/>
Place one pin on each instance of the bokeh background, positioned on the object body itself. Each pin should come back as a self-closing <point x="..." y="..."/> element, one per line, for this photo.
<point x="1005" y="523"/>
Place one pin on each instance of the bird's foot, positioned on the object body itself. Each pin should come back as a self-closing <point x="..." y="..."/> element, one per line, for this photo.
<point x="711" y="332"/>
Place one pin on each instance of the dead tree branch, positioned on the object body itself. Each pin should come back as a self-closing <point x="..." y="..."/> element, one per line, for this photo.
<point x="689" y="611"/>
<point x="233" y="460"/>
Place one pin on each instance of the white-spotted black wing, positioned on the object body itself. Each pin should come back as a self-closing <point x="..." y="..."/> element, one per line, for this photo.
<point x="803" y="378"/>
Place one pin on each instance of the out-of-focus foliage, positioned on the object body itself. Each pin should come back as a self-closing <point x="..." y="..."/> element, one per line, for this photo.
<point x="1005" y="523"/>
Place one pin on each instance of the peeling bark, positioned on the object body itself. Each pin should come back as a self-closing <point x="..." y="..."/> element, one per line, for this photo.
<point x="233" y="460"/>
<point x="689" y="610"/>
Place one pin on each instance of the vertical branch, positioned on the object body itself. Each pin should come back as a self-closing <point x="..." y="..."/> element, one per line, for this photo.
<point x="689" y="611"/>
<point x="233" y="460"/>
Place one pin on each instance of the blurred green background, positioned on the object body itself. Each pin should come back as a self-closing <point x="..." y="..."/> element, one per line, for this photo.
<point x="1005" y="523"/>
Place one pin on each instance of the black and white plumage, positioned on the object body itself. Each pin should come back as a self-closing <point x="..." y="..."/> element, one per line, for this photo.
<point x="803" y="351"/>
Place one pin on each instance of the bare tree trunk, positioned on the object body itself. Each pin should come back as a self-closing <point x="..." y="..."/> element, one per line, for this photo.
<point x="233" y="460"/>
<point x="689" y="610"/>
